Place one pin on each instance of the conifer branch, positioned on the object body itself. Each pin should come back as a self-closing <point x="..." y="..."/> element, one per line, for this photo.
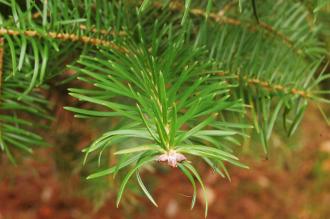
<point x="102" y="31"/>
<point x="271" y="87"/>
<point x="62" y="36"/>
<point x="161" y="78"/>
<point x="221" y="18"/>
<point x="100" y="42"/>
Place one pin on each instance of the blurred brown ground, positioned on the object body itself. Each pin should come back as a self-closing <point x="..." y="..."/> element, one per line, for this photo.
<point x="290" y="184"/>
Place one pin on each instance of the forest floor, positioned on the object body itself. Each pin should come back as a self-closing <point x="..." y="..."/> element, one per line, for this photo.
<point x="292" y="183"/>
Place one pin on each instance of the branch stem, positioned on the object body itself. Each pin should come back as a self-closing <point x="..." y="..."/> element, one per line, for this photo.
<point x="61" y="36"/>
<point x="275" y="87"/>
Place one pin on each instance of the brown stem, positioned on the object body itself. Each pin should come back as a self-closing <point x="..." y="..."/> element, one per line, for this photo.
<point x="272" y="87"/>
<point x="62" y="36"/>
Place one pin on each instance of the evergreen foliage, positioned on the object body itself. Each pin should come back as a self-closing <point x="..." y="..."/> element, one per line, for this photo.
<point x="183" y="79"/>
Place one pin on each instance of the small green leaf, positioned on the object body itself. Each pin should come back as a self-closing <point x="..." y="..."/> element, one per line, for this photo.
<point x="273" y="118"/>
<point x="145" y="190"/>
<point x="298" y="118"/>
<point x="192" y="181"/>
<point x="139" y="164"/>
<point x="195" y="173"/>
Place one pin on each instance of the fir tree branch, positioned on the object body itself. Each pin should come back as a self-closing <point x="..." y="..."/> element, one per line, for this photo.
<point x="271" y="87"/>
<point x="100" y="42"/>
<point x="102" y="31"/>
<point x="62" y="36"/>
<point x="221" y="18"/>
<point x="161" y="81"/>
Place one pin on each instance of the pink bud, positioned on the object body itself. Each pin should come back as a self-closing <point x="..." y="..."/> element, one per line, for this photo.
<point x="172" y="158"/>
